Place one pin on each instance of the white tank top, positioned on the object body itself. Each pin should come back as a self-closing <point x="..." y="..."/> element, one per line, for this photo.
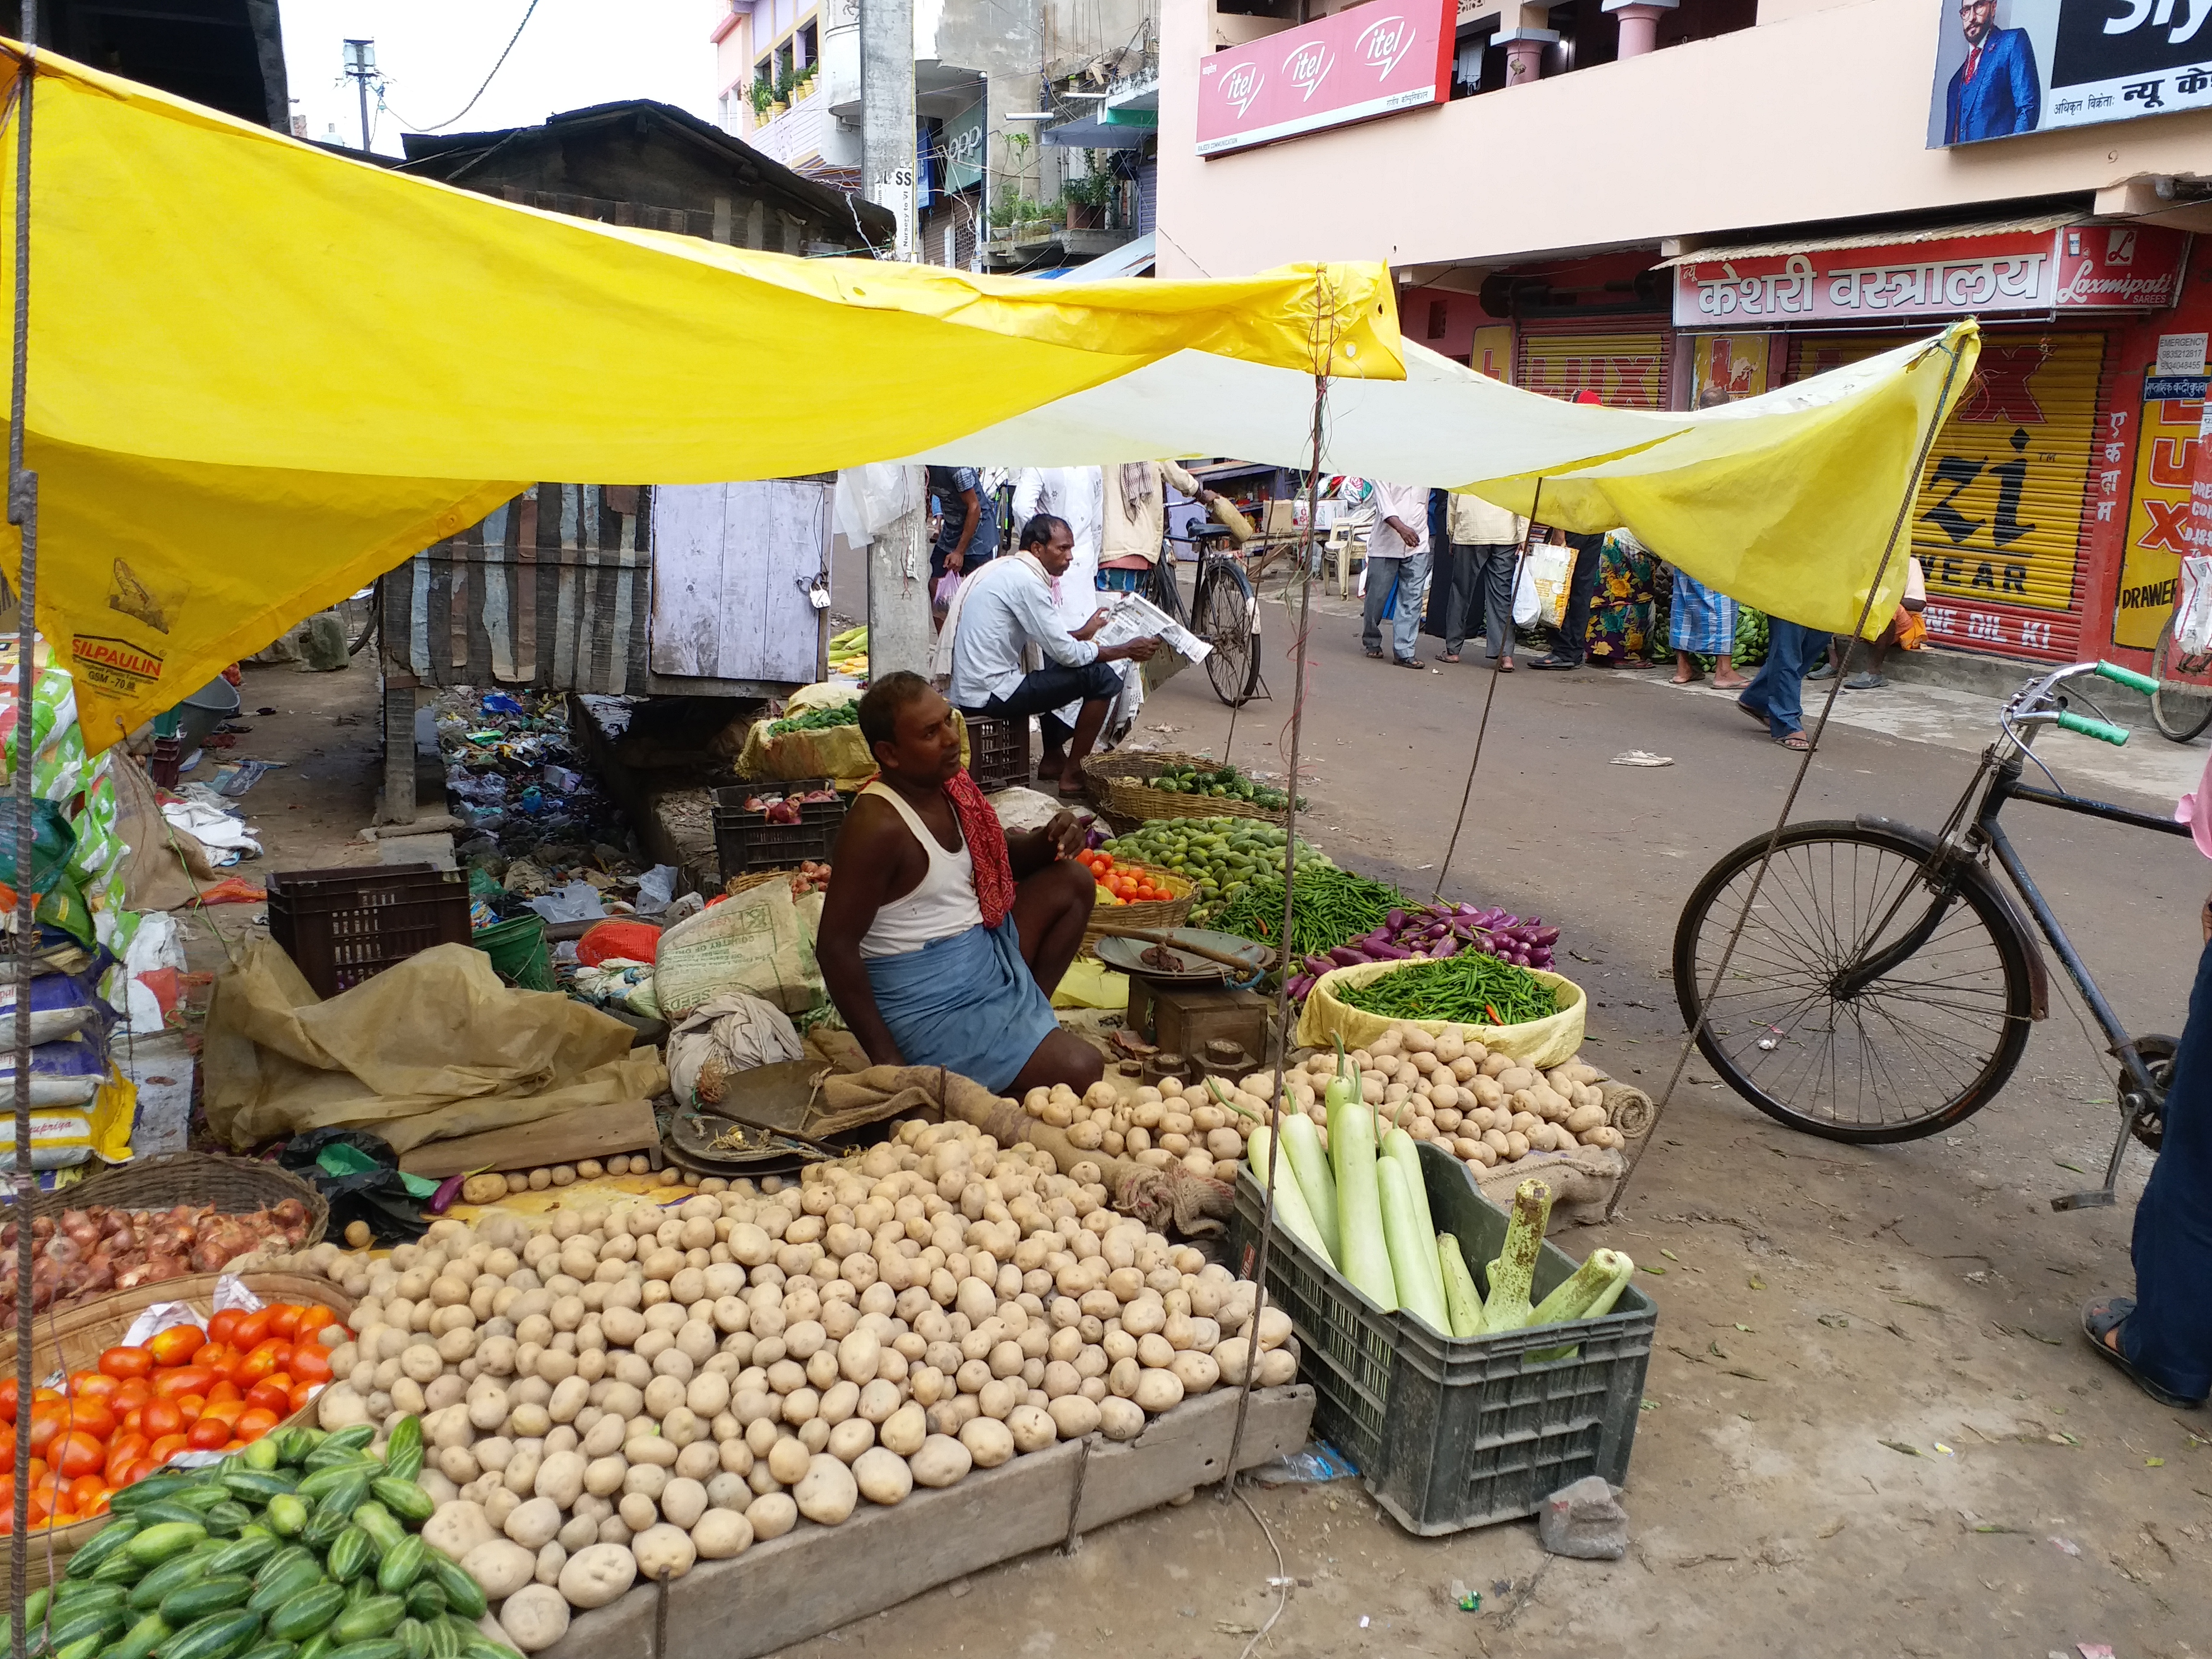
<point x="942" y="905"/>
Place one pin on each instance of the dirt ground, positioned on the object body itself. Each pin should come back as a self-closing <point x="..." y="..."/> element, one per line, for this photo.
<point x="1871" y="1426"/>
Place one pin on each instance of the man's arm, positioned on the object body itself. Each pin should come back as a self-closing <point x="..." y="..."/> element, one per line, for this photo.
<point x="2026" y="92"/>
<point x="1186" y="483"/>
<point x="974" y="510"/>
<point x="1029" y="496"/>
<point x="872" y="867"/>
<point x="1030" y="850"/>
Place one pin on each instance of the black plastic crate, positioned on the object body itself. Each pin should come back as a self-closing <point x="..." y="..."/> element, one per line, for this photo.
<point x="998" y="752"/>
<point x="1457" y="1432"/>
<point x="341" y="927"/>
<point x="746" y="842"/>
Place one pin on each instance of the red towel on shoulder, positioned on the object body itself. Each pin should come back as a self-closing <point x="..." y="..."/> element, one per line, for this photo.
<point x="986" y="847"/>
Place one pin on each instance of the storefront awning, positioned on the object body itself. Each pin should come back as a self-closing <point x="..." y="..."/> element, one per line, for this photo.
<point x="1776" y="250"/>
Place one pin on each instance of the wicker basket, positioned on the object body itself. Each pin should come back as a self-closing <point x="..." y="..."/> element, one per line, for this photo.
<point x="72" y="1342"/>
<point x="745" y="884"/>
<point x="235" y="1186"/>
<point x="1162" y="916"/>
<point x="1123" y="791"/>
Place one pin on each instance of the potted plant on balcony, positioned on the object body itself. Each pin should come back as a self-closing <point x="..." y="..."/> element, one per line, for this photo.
<point x="762" y="96"/>
<point x="1088" y="198"/>
<point x="802" y="84"/>
<point x="783" y="85"/>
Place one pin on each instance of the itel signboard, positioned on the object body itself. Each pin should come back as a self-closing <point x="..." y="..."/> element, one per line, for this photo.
<point x="2006" y="67"/>
<point x="1375" y="59"/>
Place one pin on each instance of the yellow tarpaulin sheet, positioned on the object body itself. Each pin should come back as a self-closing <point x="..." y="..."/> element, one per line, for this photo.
<point x="1784" y="501"/>
<point x="261" y="375"/>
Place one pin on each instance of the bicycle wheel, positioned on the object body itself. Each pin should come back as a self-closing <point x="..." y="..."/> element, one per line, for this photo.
<point x="2182" y="705"/>
<point x="1225" y="615"/>
<point x="1921" y="1044"/>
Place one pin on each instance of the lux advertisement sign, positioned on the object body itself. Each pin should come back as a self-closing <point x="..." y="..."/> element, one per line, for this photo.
<point x="2076" y="268"/>
<point x="2005" y="67"/>
<point x="1375" y="59"/>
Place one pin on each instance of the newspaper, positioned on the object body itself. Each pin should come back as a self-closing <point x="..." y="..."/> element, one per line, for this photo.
<point x="1131" y="616"/>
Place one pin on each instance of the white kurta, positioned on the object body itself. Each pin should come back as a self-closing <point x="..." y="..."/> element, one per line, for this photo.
<point x="1077" y="494"/>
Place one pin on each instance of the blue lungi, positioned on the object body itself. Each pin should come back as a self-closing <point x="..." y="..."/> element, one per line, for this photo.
<point x="1703" y="619"/>
<point x="968" y="1003"/>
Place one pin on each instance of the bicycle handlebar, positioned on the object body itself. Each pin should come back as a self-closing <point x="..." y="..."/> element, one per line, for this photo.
<point x="2102" y="731"/>
<point x="2129" y="678"/>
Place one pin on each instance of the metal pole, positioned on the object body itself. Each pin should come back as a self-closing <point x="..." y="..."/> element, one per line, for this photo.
<point x="360" y="85"/>
<point x="23" y="511"/>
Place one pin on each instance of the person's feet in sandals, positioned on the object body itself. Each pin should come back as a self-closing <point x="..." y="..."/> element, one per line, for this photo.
<point x="1691" y="678"/>
<point x="1796" y="742"/>
<point x="1408" y="662"/>
<point x="2101" y="1319"/>
<point x="1050" y="767"/>
<point x="1448" y="656"/>
<point x="1757" y="714"/>
<point x="1733" y="683"/>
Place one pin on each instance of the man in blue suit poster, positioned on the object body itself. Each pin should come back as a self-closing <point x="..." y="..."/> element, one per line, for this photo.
<point x="1994" y="93"/>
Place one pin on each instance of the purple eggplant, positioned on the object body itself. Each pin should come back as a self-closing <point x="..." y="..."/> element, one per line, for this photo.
<point x="1449" y="947"/>
<point x="1395" y="921"/>
<point x="1347" y="955"/>
<point x="1390" y="953"/>
<point x="1545" y="938"/>
<point x="1301" y="988"/>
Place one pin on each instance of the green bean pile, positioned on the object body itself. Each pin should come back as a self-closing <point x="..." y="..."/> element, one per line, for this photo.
<point x="818" y="719"/>
<point x="1333" y="905"/>
<point x="1470" y="989"/>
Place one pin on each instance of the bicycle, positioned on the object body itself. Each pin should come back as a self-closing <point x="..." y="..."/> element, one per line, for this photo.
<point x="2181" y="699"/>
<point x="1224" y="610"/>
<point x="1883" y="983"/>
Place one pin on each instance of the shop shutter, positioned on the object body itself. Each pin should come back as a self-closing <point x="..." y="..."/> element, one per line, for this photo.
<point x="2002" y="513"/>
<point x="1628" y="368"/>
<point x="1148" y="197"/>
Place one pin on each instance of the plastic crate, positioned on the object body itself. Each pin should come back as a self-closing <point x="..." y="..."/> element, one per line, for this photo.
<point x="342" y="927"/>
<point x="746" y="842"/>
<point x="1457" y="1432"/>
<point x="998" y="752"/>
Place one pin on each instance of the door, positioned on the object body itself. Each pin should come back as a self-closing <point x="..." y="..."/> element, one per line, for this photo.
<point x="1628" y="368"/>
<point x="733" y="567"/>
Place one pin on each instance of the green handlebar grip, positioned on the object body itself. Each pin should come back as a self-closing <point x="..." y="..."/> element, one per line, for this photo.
<point x="2115" y="735"/>
<point x="2129" y="678"/>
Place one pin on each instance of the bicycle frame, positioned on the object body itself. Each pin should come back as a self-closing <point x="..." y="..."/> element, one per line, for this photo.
<point x="2002" y="764"/>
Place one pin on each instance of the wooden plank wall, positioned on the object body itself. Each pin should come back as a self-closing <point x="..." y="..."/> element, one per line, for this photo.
<point x="551" y="592"/>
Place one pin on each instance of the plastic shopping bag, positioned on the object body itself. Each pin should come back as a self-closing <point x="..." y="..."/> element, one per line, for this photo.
<point x="1541" y="595"/>
<point x="2192" y="614"/>
<point x="947" y="586"/>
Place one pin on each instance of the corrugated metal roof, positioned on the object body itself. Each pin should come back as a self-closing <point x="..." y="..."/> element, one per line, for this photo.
<point x="1706" y="256"/>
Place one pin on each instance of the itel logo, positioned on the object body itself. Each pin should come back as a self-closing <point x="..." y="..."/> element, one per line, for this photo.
<point x="1241" y="85"/>
<point x="1308" y="66"/>
<point x="1383" y="45"/>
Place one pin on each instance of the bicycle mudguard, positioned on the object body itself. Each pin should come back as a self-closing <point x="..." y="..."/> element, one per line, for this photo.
<point x="2038" y="975"/>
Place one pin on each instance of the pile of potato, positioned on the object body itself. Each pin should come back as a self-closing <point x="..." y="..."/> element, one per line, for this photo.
<point x="490" y="1189"/>
<point x="1170" y="1124"/>
<point x="1483" y="1109"/>
<point x="629" y="1390"/>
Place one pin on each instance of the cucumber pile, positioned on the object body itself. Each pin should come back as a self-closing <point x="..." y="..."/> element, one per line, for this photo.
<point x="304" y="1545"/>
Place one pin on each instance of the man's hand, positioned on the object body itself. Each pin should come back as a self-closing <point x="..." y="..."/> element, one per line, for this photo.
<point x="1064" y="835"/>
<point x="2205" y="917"/>
<point x="1207" y="497"/>
<point x="955" y="561"/>
<point x="1097" y="621"/>
<point x="1411" y="537"/>
<point x="1136" y="651"/>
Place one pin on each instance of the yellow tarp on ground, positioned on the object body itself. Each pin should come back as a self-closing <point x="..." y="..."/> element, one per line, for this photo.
<point x="261" y="373"/>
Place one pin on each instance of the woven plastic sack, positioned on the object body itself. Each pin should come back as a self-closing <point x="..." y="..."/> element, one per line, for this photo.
<point x="633" y="941"/>
<point x="756" y="942"/>
<point x="1538" y="1042"/>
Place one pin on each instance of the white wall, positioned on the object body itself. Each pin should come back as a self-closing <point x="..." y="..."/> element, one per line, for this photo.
<point x="1820" y="115"/>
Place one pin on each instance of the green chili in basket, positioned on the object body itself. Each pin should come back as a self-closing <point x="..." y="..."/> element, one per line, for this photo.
<point x="1470" y="989"/>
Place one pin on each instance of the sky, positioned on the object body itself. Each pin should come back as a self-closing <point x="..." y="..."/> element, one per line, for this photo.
<point x="434" y="54"/>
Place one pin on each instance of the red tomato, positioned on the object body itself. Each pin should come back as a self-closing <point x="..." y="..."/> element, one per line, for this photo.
<point x="122" y="1452"/>
<point x="314" y="1319"/>
<point x="191" y="1404"/>
<point x="127" y="1362"/>
<point x="220" y="1327"/>
<point x="226" y="1389"/>
<point x="159" y="1416"/>
<point x="263" y="1362"/>
<point x="181" y="1380"/>
<point x="7" y="1400"/>
<point x="7" y="1448"/>
<point x="302" y="1393"/>
<point x="138" y="1471"/>
<point x="132" y="1393"/>
<point x="164" y="1448"/>
<point x="209" y="1434"/>
<point x="94" y="1418"/>
<point x="77" y="1453"/>
<point x="223" y="1411"/>
<point x="252" y="1330"/>
<point x="86" y="1490"/>
<point x="310" y="1363"/>
<point x="272" y="1394"/>
<point x="284" y="1320"/>
<point x="255" y="1423"/>
<point x="176" y="1345"/>
<point x="45" y="1424"/>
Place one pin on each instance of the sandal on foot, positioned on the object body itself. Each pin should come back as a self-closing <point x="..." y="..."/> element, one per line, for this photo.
<point x="1448" y="656"/>
<point x="1373" y="650"/>
<point x="1758" y="715"/>
<point x="1796" y="742"/>
<point x="2103" y="1314"/>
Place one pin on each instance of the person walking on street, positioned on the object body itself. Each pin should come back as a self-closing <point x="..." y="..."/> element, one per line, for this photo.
<point x="1397" y="562"/>
<point x="1701" y="623"/>
<point x="1475" y="571"/>
<point x="1570" y="639"/>
<point x="1775" y="696"/>
<point x="2161" y="1336"/>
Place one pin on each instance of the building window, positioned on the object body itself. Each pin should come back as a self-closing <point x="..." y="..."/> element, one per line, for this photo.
<point x="810" y="42"/>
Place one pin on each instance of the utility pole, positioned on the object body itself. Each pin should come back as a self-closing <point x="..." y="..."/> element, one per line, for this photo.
<point x="360" y="69"/>
<point x="899" y="632"/>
